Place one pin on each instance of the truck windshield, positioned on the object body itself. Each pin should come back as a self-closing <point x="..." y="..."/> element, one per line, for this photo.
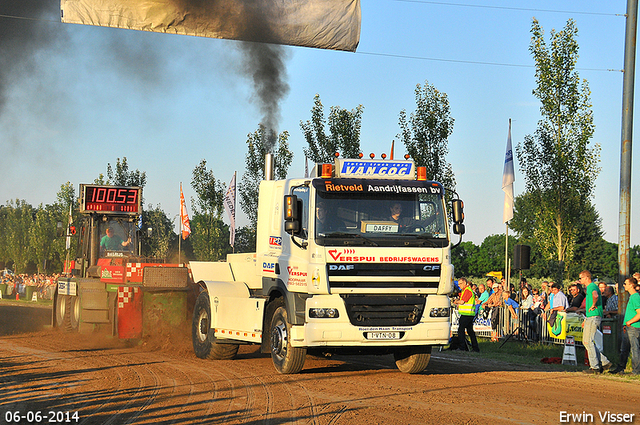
<point x="117" y="238"/>
<point x="380" y="213"/>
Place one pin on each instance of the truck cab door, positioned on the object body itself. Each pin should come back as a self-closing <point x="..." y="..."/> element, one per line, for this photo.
<point x="295" y="259"/>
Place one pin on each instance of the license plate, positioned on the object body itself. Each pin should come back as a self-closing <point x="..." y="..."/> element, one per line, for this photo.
<point x="383" y="335"/>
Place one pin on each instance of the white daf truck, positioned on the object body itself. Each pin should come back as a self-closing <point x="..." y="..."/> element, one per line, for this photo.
<point x="337" y="269"/>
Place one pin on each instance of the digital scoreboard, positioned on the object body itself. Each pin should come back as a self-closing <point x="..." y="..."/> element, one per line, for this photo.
<point x="110" y="199"/>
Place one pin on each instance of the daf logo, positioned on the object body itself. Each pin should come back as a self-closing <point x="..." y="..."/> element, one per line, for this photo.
<point x="341" y="267"/>
<point x="431" y="268"/>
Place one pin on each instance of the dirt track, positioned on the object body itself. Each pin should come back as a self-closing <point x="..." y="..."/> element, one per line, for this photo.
<point x="161" y="381"/>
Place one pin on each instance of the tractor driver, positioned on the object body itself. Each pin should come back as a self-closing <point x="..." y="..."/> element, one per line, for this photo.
<point x="113" y="242"/>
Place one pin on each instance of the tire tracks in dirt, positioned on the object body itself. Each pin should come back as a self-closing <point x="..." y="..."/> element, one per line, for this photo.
<point x="114" y="383"/>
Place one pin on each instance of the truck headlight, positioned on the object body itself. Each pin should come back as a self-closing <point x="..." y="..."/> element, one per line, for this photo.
<point x="323" y="313"/>
<point x="439" y="312"/>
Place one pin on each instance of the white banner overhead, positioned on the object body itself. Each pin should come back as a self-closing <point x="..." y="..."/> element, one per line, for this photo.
<point x="323" y="24"/>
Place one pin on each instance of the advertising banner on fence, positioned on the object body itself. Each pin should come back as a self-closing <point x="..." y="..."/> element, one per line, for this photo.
<point x="481" y="326"/>
<point x="566" y="324"/>
<point x="574" y="326"/>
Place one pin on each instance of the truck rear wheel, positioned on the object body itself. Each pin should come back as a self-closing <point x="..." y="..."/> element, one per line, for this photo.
<point x="412" y="359"/>
<point x="286" y="359"/>
<point x="202" y="346"/>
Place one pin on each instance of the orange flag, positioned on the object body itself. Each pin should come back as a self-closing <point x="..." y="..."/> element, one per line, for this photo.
<point x="185" y="227"/>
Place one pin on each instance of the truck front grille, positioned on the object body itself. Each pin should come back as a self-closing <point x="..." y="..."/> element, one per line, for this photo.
<point x="384" y="310"/>
<point x="383" y="269"/>
<point x="384" y="275"/>
<point x="383" y="284"/>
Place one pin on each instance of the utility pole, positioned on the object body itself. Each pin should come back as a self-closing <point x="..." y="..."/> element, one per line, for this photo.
<point x="624" y="224"/>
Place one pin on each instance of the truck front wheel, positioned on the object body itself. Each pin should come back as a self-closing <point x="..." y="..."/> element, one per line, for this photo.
<point x="286" y="359"/>
<point x="202" y="346"/>
<point x="412" y="359"/>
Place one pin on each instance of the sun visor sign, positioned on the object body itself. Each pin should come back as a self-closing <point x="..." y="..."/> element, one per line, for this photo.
<point x="375" y="169"/>
<point x="378" y="186"/>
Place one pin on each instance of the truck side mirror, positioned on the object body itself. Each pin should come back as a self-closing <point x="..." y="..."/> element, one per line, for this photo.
<point x="291" y="217"/>
<point x="458" y="216"/>
<point x="458" y="228"/>
<point x="458" y="212"/>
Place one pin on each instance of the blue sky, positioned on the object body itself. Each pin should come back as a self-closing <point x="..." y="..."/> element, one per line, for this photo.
<point x="91" y="95"/>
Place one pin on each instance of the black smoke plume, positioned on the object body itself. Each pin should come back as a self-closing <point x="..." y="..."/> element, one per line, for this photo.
<point x="27" y="27"/>
<point x="31" y="34"/>
<point x="263" y="63"/>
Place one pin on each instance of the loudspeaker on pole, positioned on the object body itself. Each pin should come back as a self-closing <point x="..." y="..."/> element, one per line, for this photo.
<point x="521" y="257"/>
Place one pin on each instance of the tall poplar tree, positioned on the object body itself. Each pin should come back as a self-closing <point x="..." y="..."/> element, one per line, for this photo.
<point x="19" y="220"/>
<point x="162" y="234"/>
<point x="425" y="132"/>
<point x="42" y="234"/>
<point x="559" y="162"/>
<point x="209" y="235"/>
<point x="343" y="137"/>
<point x="259" y="143"/>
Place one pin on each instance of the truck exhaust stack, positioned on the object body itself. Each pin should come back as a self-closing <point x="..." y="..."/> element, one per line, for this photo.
<point x="269" y="167"/>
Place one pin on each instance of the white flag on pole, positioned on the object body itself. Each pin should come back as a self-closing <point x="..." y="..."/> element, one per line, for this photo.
<point x="508" y="177"/>
<point x="68" y="241"/>
<point x="230" y="208"/>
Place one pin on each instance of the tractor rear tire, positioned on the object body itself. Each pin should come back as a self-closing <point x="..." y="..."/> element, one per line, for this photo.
<point x="61" y="310"/>
<point x="73" y="310"/>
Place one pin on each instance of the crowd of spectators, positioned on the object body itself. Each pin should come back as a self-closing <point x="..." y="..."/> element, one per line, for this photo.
<point x="16" y="284"/>
<point x="529" y="308"/>
<point x="533" y="303"/>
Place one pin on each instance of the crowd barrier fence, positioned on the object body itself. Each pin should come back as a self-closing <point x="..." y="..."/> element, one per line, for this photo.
<point x="529" y="325"/>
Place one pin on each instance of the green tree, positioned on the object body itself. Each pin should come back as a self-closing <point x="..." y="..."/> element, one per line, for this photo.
<point x="491" y="254"/>
<point x="257" y="148"/>
<point x="476" y="261"/>
<point x="525" y="215"/>
<point x="65" y="200"/>
<point x="162" y="235"/>
<point x="122" y="176"/>
<point x="19" y="220"/>
<point x="209" y="235"/>
<point x="42" y="235"/>
<point x="4" y="243"/>
<point x="66" y="197"/>
<point x="344" y="132"/>
<point x="425" y="133"/>
<point x="591" y="252"/>
<point x="559" y="164"/>
<point x="463" y="259"/>
<point x="634" y="259"/>
<point x="245" y="239"/>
